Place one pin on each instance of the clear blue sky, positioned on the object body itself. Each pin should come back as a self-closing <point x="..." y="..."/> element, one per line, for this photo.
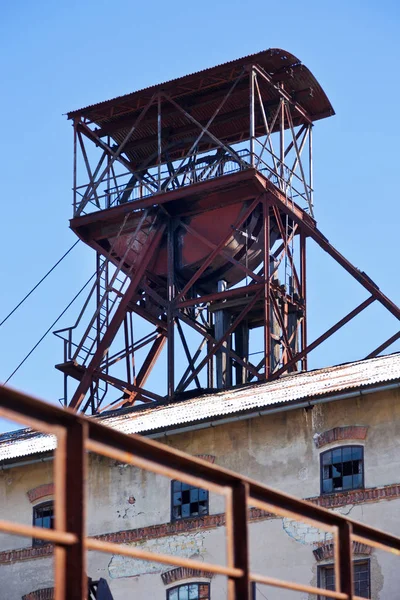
<point x="58" y="56"/>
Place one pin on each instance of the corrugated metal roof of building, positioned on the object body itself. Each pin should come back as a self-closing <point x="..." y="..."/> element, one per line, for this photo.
<point x="290" y="389"/>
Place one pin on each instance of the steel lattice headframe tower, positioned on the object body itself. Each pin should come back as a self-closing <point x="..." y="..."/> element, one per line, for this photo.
<point x="197" y="196"/>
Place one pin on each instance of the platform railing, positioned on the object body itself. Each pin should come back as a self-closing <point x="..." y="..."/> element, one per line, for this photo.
<point x="196" y="168"/>
<point x="77" y="435"/>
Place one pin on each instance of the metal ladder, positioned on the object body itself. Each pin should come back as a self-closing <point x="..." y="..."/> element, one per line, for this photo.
<point x="110" y="290"/>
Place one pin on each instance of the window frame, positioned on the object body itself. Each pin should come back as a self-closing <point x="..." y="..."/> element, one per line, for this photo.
<point x="175" y="519"/>
<point x="321" y="568"/>
<point x="36" y="541"/>
<point x="321" y="479"/>
<point x="187" y="583"/>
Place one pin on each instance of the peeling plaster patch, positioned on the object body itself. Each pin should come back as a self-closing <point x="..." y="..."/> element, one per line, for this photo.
<point x="303" y="474"/>
<point x="185" y="546"/>
<point x="306" y="534"/>
<point x="303" y="533"/>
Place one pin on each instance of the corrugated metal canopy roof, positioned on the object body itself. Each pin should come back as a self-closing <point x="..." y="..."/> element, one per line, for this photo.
<point x="201" y="93"/>
<point x="246" y="400"/>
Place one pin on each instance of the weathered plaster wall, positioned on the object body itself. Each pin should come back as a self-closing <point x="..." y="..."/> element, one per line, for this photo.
<point x="278" y="450"/>
<point x="14" y="501"/>
<point x="20" y="578"/>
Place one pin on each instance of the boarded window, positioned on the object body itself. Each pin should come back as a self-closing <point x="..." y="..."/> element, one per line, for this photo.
<point x="188" y="501"/>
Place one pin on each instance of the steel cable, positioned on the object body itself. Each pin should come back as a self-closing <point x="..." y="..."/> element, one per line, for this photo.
<point x="49" y="329"/>
<point x="39" y="282"/>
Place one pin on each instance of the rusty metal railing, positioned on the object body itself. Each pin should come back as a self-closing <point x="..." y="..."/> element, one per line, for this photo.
<point x="77" y="435"/>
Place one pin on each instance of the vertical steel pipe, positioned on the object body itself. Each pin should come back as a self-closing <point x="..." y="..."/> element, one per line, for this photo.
<point x="267" y="290"/>
<point x="282" y="143"/>
<point x="159" y="148"/>
<point x="310" y="162"/>
<point x="303" y="293"/>
<point x="252" y="118"/>
<point x="74" y="178"/>
<point x="170" y="310"/>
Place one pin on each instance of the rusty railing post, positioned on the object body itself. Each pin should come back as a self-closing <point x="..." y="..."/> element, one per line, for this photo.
<point x="70" y="511"/>
<point x="237" y="534"/>
<point x="344" y="564"/>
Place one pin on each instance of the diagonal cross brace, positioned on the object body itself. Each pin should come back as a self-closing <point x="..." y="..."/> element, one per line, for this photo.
<point x="224" y="338"/>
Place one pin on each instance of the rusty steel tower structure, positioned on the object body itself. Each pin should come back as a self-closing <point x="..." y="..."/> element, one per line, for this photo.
<point x="197" y="197"/>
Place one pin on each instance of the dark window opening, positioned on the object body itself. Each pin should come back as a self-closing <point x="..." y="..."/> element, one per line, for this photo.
<point x="43" y="516"/>
<point x="188" y="501"/>
<point x="190" y="591"/>
<point x="342" y="469"/>
<point x="362" y="579"/>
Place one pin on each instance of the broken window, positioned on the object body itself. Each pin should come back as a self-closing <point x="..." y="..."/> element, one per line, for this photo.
<point x="43" y="516"/>
<point x="189" y="591"/>
<point x="188" y="501"/>
<point x="342" y="469"/>
<point x="361" y="574"/>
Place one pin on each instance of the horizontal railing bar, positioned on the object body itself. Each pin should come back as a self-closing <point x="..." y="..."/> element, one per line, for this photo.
<point x="154" y="467"/>
<point x="35" y="413"/>
<point x="29" y="421"/>
<point x="290" y="514"/>
<point x="166" y="559"/>
<point x="285" y="502"/>
<point x="61" y="538"/>
<point x="373" y="539"/>
<point x="298" y="587"/>
<point x="27" y="410"/>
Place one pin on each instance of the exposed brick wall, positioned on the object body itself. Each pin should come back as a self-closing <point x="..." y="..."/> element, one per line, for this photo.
<point x="326" y="551"/>
<point x="11" y="556"/>
<point x="388" y="492"/>
<point x="352" y="432"/>
<point x="46" y="489"/>
<point x="183" y="573"/>
<point x="43" y="594"/>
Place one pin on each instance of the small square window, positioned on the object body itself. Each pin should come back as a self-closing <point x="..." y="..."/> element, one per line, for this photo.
<point x="342" y="469"/>
<point x="188" y="501"/>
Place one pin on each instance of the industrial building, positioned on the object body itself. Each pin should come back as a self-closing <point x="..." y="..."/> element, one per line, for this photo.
<point x="287" y="434"/>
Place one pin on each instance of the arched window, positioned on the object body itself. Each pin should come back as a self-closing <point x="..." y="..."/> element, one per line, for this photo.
<point x="187" y="501"/>
<point x="342" y="469"/>
<point x="189" y="591"/>
<point x="43" y="516"/>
